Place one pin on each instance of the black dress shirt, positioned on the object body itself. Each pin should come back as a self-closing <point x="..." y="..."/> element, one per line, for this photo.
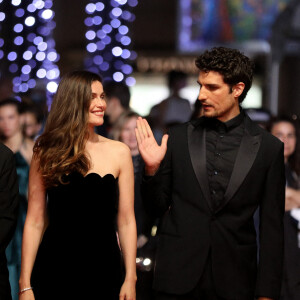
<point x="222" y="144"/>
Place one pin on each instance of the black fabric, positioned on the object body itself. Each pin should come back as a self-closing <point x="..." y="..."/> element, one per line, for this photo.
<point x="79" y="256"/>
<point x="291" y="275"/>
<point x="9" y="202"/>
<point x="222" y="144"/>
<point x="191" y="228"/>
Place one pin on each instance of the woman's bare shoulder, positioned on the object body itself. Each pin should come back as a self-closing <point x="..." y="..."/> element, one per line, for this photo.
<point x="114" y="145"/>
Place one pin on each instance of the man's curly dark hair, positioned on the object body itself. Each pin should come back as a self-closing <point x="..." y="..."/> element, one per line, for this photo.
<point x="234" y="66"/>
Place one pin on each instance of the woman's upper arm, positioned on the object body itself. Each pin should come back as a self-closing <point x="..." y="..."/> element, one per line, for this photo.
<point x="126" y="183"/>
<point x="36" y="194"/>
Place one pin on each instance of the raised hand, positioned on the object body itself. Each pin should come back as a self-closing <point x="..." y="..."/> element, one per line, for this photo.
<point x="150" y="151"/>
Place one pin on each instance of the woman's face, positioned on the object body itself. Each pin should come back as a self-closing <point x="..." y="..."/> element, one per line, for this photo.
<point x="128" y="134"/>
<point x="97" y="105"/>
<point x="10" y="121"/>
<point x="286" y="132"/>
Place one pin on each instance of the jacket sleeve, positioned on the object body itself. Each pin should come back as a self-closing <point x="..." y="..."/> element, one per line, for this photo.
<point x="156" y="190"/>
<point x="270" y="265"/>
<point x="9" y="199"/>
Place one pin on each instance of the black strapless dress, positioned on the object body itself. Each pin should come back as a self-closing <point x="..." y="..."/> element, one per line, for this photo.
<point x="79" y="256"/>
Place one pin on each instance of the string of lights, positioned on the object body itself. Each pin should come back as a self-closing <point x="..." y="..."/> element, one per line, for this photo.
<point x="27" y="49"/>
<point x="108" y="39"/>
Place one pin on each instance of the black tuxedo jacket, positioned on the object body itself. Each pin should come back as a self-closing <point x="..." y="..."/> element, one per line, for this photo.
<point x="191" y="228"/>
<point x="9" y="200"/>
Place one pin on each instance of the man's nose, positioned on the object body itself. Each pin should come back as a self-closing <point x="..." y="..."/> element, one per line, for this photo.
<point x="202" y="94"/>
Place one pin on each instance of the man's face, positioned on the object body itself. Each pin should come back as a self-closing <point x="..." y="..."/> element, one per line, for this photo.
<point x="217" y="100"/>
<point x="10" y="121"/>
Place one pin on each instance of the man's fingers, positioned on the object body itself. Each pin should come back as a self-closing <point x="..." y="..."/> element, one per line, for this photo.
<point x="164" y="141"/>
<point x="141" y="128"/>
<point x="138" y="137"/>
<point x="148" y="128"/>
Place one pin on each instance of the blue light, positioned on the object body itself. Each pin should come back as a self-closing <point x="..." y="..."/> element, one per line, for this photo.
<point x="1" y="54"/>
<point x="31" y="8"/>
<point x="90" y="35"/>
<point x="29" y="21"/>
<point x="12" y="56"/>
<point x="107" y="28"/>
<point x="101" y="34"/>
<point x="106" y="40"/>
<point x="40" y="56"/>
<point x="88" y="22"/>
<point x="133" y="55"/>
<point x="17" y="81"/>
<point x="47" y="14"/>
<point x="90" y="8"/>
<point x="32" y="49"/>
<point x="99" y="6"/>
<point x="97" y="20"/>
<point x="19" y="40"/>
<point x="116" y="12"/>
<point x="133" y="3"/>
<point x="31" y="83"/>
<point x="98" y="59"/>
<point x="52" y="56"/>
<point x="26" y="69"/>
<point x="48" y="3"/>
<point x="38" y="40"/>
<point x="127" y="69"/>
<point x="39" y="4"/>
<point x="23" y="87"/>
<point x="18" y="27"/>
<point x="2" y="16"/>
<point x="41" y="73"/>
<point x="125" y="54"/>
<point x="16" y="2"/>
<point x="42" y="46"/>
<point x="100" y="45"/>
<point x="1" y="42"/>
<point x="27" y="55"/>
<point x="52" y="87"/>
<point x="118" y="64"/>
<point x="115" y="23"/>
<point x="117" y="51"/>
<point x="123" y="29"/>
<point x="13" y="68"/>
<point x="104" y="66"/>
<point x="126" y="15"/>
<point x="118" y="76"/>
<point x="122" y="2"/>
<point x="125" y="40"/>
<point x="32" y="63"/>
<point x="130" y="81"/>
<point x="31" y="37"/>
<point x="91" y="47"/>
<point x="20" y="12"/>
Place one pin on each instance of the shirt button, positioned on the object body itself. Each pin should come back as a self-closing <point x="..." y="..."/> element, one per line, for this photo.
<point x="214" y="192"/>
<point x="221" y="136"/>
<point x="216" y="172"/>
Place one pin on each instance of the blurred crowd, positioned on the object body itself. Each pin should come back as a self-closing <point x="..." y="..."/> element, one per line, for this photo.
<point x="21" y="122"/>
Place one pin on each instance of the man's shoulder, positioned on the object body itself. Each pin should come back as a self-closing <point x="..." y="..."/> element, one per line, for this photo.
<point x="5" y="151"/>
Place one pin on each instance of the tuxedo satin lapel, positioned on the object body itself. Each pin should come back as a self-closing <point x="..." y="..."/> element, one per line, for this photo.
<point x="244" y="161"/>
<point x="197" y="149"/>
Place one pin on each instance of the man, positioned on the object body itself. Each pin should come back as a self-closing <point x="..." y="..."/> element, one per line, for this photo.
<point x="8" y="213"/>
<point x="206" y="181"/>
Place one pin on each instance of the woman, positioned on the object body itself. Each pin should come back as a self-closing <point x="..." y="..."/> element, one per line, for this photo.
<point x="124" y="131"/>
<point x="11" y="134"/>
<point x="69" y="243"/>
<point x="286" y="130"/>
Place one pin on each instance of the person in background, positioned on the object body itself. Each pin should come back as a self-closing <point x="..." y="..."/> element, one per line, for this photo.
<point x="124" y="131"/>
<point x="11" y="134"/>
<point x="118" y="99"/>
<point x="9" y="201"/>
<point x="286" y="129"/>
<point x="32" y="121"/>
<point x="81" y="190"/>
<point x="172" y="110"/>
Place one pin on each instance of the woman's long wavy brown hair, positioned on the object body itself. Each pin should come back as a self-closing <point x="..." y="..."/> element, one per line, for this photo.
<point x="60" y="149"/>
